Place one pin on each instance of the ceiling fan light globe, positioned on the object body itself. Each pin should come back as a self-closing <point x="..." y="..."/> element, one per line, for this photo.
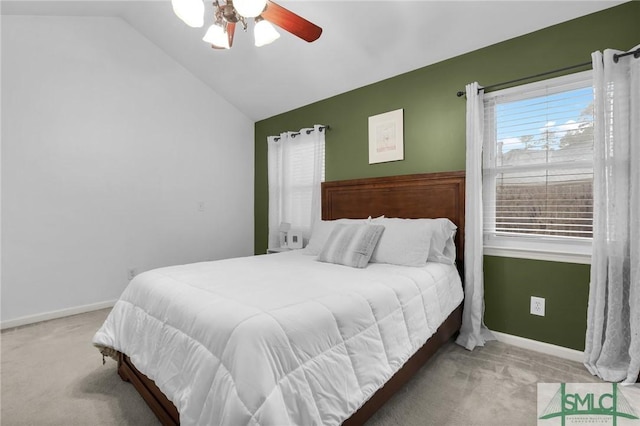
<point x="191" y="12"/>
<point x="264" y="33"/>
<point x="249" y="8"/>
<point x="217" y="36"/>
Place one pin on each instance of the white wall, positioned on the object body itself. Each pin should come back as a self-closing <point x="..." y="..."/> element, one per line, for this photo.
<point x="108" y="146"/>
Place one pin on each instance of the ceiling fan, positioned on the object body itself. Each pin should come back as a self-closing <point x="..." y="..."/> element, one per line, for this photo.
<point x="229" y="13"/>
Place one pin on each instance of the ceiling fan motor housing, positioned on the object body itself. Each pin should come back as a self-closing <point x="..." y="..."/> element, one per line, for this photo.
<point x="229" y="12"/>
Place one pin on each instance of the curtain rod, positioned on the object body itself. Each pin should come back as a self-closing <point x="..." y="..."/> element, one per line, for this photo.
<point x="616" y="57"/>
<point x="308" y="131"/>
<point x="635" y="53"/>
<point x="517" y="80"/>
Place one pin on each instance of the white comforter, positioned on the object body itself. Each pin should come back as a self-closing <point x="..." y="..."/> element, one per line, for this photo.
<point x="277" y="339"/>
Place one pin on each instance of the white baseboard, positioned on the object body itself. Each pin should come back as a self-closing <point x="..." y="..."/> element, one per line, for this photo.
<point x="545" y="348"/>
<point x="30" y="319"/>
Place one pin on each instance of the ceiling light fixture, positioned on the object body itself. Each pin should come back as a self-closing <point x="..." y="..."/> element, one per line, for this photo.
<point x="264" y="33"/>
<point x="250" y="8"/>
<point x="190" y="11"/>
<point x="217" y="36"/>
<point x="228" y="13"/>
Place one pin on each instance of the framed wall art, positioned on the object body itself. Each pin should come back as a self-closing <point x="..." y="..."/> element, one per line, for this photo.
<point x="386" y="137"/>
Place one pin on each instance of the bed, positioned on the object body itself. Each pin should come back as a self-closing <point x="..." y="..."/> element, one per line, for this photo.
<point x="372" y="326"/>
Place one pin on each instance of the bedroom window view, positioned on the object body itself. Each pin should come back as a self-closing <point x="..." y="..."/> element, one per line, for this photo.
<point x="538" y="165"/>
<point x="302" y="182"/>
<point x="296" y="163"/>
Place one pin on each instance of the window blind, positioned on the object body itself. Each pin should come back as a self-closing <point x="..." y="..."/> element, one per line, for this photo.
<point x="538" y="160"/>
<point x="299" y="169"/>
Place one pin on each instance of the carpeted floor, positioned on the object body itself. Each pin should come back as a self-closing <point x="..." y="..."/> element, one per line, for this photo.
<point x="52" y="375"/>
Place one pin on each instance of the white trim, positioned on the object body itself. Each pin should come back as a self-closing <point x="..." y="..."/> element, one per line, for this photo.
<point x="513" y="244"/>
<point x="545" y="348"/>
<point x="30" y="319"/>
<point x="564" y="83"/>
<point x="552" y="256"/>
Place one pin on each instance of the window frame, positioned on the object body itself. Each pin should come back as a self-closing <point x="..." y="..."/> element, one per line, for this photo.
<point x="537" y="247"/>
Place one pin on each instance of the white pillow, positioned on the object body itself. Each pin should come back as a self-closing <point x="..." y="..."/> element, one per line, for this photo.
<point x="443" y="246"/>
<point x="321" y="231"/>
<point x="404" y="242"/>
<point x="441" y="233"/>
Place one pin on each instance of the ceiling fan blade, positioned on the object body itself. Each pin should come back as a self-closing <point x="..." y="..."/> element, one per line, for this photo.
<point x="231" y="30"/>
<point x="291" y="22"/>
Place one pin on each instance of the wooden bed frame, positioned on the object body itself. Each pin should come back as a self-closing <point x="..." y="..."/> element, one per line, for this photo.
<point x="410" y="196"/>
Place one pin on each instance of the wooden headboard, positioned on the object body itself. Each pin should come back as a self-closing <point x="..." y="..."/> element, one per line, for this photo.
<point x="427" y="195"/>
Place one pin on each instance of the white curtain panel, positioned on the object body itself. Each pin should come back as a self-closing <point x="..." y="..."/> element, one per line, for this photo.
<point x="295" y="171"/>
<point x="473" y="331"/>
<point x="612" y="349"/>
<point x="274" y="172"/>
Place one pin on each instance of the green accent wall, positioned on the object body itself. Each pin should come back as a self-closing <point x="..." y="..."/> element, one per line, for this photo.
<point x="434" y="132"/>
<point x="509" y="285"/>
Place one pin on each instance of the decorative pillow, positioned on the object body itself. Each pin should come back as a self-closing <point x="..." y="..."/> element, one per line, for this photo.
<point x="404" y="242"/>
<point x="351" y="244"/>
<point x="441" y="233"/>
<point x="321" y="231"/>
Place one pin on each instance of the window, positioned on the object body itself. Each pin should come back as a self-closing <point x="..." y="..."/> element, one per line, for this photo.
<point x="300" y="182"/>
<point x="538" y="170"/>
<point x="295" y="170"/>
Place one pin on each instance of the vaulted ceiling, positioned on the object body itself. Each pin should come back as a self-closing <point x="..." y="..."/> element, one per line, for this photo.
<point x="362" y="42"/>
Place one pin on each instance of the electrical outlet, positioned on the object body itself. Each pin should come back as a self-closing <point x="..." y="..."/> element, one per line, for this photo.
<point x="131" y="273"/>
<point x="200" y="206"/>
<point x="537" y="306"/>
